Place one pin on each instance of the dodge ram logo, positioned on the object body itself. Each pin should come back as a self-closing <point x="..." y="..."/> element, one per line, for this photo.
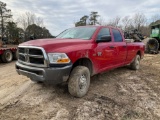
<point x="26" y="55"/>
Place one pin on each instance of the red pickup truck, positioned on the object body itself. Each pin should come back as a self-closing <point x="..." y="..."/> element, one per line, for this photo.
<point x="75" y="55"/>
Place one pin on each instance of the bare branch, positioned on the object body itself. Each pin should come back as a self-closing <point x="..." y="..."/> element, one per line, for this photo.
<point x="139" y="19"/>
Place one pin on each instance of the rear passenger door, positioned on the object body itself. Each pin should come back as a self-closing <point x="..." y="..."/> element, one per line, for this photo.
<point x="120" y="47"/>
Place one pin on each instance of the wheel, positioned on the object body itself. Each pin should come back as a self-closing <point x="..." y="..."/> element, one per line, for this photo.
<point x="79" y="81"/>
<point x="135" y="65"/>
<point x="151" y="45"/>
<point x="7" y="56"/>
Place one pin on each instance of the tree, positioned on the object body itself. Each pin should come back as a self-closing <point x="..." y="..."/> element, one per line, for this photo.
<point x="115" y="21"/>
<point x="139" y="20"/>
<point x="127" y="23"/>
<point x="145" y="30"/>
<point x="5" y="14"/>
<point x="13" y="33"/>
<point x="29" y="18"/>
<point x="83" y="21"/>
<point x="36" y="32"/>
<point x="93" y="18"/>
<point x="32" y="26"/>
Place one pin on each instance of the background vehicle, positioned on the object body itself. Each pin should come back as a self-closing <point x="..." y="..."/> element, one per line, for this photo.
<point x="76" y="54"/>
<point x="153" y="43"/>
<point x="8" y="53"/>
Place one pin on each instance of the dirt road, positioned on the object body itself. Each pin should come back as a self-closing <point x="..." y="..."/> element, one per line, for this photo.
<point x="120" y="94"/>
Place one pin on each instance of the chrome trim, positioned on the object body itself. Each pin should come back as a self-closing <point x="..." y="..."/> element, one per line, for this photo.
<point x="35" y="56"/>
<point x="46" y="61"/>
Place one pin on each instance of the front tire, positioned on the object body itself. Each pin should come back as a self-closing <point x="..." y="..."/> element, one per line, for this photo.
<point x="79" y="81"/>
<point x="135" y="65"/>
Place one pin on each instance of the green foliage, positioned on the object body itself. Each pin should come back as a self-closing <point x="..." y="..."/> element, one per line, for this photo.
<point x="5" y="14"/>
<point x="36" y="32"/>
<point x="10" y="33"/>
<point x="83" y="21"/>
<point x="92" y="19"/>
<point x="13" y="33"/>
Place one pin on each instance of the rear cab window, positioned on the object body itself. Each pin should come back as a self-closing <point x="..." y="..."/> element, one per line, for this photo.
<point x="117" y="35"/>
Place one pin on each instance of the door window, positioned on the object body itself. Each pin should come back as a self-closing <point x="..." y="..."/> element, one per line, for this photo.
<point x="103" y="32"/>
<point x="117" y="35"/>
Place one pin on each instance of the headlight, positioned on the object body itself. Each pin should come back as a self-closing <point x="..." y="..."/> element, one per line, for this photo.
<point x="58" y="58"/>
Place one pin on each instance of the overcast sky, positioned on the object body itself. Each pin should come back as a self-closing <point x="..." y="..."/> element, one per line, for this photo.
<point x="60" y="15"/>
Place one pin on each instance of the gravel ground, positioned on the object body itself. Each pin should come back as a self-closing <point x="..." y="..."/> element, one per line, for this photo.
<point x="119" y="94"/>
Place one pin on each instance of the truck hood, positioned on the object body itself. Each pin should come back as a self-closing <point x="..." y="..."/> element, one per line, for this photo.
<point x="56" y="45"/>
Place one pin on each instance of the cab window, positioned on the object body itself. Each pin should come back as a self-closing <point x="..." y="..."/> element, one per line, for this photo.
<point x="117" y="35"/>
<point x="103" y="32"/>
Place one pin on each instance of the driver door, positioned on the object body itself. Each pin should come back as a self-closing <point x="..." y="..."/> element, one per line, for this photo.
<point x="105" y="51"/>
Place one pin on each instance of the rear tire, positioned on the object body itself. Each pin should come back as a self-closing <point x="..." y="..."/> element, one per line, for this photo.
<point x="135" y="65"/>
<point x="7" y="56"/>
<point x="151" y="45"/>
<point x="79" y="81"/>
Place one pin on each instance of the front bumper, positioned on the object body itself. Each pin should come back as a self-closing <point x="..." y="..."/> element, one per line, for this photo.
<point x="52" y="75"/>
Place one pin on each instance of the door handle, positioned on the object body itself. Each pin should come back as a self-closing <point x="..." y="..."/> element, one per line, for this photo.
<point x="111" y="47"/>
<point x="124" y="46"/>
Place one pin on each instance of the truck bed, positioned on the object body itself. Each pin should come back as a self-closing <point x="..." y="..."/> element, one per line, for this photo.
<point x="129" y="40"/>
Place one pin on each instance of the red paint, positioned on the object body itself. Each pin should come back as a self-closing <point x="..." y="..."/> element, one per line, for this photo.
<point x="77" y="48"/>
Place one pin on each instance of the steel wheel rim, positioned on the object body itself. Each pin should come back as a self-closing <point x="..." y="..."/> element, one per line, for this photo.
<point x="151" y="46"/>
<point x="82" y="82"/>
<point x="8" y="56"/>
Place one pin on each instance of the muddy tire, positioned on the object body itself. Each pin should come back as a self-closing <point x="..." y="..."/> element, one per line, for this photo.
<point x="79" y="81"/>
<point x="151" y="45"/>
<point x="135" y="65"/>
<point x="7" y="56"/>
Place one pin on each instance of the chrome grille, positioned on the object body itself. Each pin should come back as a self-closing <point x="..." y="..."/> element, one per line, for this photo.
<point x="33" y="56"/>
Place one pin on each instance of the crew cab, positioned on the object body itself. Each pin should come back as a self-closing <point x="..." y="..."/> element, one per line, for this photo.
<point x="75" y="55"/>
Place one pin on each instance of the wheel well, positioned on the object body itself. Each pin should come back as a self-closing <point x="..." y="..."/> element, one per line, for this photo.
<point x="84" y="62"/>
<point x="139" y="53"/>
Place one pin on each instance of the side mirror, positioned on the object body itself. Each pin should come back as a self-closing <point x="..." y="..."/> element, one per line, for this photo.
<point x="105" y="38"/>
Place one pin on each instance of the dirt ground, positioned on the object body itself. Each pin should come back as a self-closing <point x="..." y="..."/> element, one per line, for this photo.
<point x="120" y="94"/>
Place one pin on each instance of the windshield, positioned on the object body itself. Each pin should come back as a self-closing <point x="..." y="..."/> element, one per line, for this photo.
<point x="78" y="32"/>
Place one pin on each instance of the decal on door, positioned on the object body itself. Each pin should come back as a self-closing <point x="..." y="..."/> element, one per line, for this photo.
<point x="99" y="53"/>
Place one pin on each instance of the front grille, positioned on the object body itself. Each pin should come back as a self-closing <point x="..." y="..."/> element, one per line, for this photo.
<point x="33" y="56"/>
<point x="35" y="52"/>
